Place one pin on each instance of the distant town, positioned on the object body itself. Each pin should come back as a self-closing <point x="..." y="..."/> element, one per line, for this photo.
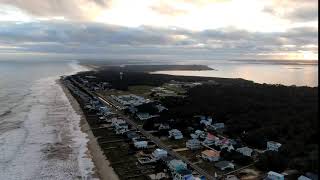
<point x="149" y="127"/>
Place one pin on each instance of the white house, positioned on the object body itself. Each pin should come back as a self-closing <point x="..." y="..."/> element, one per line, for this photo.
<point x="245" y="151"/>
<point x="140" y="144"/>
<point x="193" y="144"/>
<point x="274" y="176"/>
<point x="159" y="154"/>
<point x="210" y="155"/>
<point x="175" y="133"/>
<point x="303" y="178"/>
<point x="198" y="134"/>
<point x="273" y="146"/>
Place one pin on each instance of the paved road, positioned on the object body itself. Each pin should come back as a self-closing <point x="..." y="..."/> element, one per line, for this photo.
<point x="148" y="135"/>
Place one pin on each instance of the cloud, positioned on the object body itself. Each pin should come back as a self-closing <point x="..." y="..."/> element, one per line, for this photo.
<point x="74" y="9"/>
<point x="294" y="10"/>
<point x="168" y="9"/>
<point x="110" y="40"/>
<point x="181" y="7"/>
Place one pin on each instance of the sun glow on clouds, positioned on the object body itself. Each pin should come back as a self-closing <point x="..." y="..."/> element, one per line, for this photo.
<point x="260" y="28"/>
<point x="194" y="16"/>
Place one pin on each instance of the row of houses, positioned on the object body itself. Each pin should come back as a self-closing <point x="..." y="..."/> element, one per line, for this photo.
<point x="93" y="85"/>
<point x="130" y="100"/>
<point x="162" y="92"/>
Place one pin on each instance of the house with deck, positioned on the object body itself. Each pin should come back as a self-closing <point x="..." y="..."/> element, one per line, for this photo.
<point x="140" y="144"/>
<point x="210" y="155"/>
<point x="193" y="144"/>
<point x="246" y="151"/>
<point x="175" y="134"/>
<point x="273" y="146"/>
<point x="159" y="154"/>
<point x="179" y="170"/>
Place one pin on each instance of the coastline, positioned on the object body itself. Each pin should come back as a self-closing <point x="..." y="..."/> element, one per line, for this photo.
<point x="102" y="169"/>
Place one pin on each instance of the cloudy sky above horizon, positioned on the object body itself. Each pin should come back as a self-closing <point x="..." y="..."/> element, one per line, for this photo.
<point x="177" y="29"/>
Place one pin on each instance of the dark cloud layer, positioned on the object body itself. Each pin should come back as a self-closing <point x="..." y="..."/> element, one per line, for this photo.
<point x="91" y="38"/>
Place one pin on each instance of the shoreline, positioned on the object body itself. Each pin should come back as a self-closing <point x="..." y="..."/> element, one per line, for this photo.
<point x="102" y="168"/>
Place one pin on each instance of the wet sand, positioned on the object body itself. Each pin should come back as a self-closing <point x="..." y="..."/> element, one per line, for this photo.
<point x="103" y="170"/>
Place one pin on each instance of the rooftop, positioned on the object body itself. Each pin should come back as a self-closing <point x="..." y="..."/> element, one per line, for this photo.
<point x="211" y="153"/>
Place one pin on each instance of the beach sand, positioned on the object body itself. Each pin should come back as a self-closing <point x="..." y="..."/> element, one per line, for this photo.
<point x="103" y="170"/>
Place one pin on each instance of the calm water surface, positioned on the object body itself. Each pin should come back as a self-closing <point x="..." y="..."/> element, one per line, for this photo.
<point x="299" y="75"/>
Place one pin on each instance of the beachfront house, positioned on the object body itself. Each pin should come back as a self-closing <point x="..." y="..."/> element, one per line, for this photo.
<point x="223" y="165"/>
<point x="193" y="144"/>
<point x="103" y="110"/>
<point x="119" y="125"/>
<point x="115" y="121"/>
<point x="159" y="154"/>
<point x="273" y="146"/>
<point x="210" y="155"/>
<point x="175" y="134"/>
<point x="246" y="151"/>
<point x="274" y="176"/>
<point x="140" y="144"/>
<point x="121" y="128"/>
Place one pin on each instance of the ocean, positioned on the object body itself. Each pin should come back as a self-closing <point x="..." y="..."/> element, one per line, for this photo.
<point x="40" y="136"/>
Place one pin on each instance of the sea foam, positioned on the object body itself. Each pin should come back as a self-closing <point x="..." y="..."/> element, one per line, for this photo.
<point x="40" y="136"/>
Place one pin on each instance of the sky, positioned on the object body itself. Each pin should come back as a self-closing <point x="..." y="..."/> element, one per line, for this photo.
<point x="159" y="29"/>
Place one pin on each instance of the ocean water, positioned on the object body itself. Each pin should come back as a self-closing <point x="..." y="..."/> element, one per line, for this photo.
<point x="40" y="137"/>
<point x="264" y="72"/>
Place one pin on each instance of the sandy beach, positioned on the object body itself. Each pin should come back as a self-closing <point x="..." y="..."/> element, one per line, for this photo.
<point x="103" y="170"/>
